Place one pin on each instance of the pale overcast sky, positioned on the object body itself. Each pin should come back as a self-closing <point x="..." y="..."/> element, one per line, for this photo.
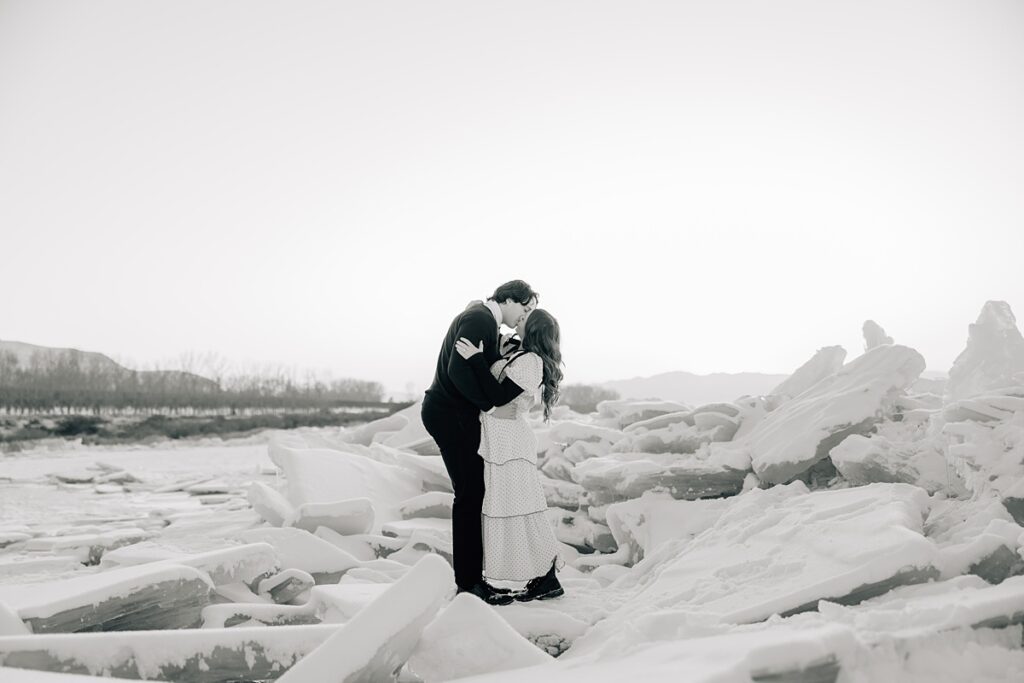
<point x="702" y="186"/>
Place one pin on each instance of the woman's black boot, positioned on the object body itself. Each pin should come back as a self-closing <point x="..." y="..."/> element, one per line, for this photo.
<point x="542" y="588"/>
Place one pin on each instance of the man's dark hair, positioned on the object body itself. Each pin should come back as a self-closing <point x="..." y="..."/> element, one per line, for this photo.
<point x="517" y="290"/>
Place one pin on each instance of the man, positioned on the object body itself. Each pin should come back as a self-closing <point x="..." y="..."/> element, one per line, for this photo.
<point x="451" y="413"/>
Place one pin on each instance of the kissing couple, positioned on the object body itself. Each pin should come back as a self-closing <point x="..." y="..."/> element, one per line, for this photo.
<point x="476" y="410"/>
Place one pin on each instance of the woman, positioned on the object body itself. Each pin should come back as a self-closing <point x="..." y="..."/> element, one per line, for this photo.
<point x="519" y="544"/>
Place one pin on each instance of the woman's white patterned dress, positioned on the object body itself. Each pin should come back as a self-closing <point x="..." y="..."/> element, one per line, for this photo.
<point x="519" y="543"/>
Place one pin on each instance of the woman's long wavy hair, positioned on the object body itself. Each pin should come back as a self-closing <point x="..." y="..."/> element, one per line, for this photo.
<point x="543" y="337"/>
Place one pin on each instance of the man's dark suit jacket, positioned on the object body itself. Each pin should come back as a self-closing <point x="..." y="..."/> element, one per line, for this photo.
<point x="454" y="380"/>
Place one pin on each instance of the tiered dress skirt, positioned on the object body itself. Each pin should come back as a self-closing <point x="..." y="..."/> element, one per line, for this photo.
<point x="519" y="543"/>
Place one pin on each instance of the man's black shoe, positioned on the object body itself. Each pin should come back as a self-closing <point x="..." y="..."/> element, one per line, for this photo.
<point x="483" y="591"/>
<point x="496" y="589"/>
<point x="542" y="588"/>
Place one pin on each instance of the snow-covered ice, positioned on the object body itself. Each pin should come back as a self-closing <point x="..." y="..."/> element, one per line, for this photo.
<point x="856" y="524"/>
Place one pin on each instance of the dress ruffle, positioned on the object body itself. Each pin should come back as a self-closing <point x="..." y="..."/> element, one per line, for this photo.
<point x="512" y="489"/>
<point x="529" y="543"/>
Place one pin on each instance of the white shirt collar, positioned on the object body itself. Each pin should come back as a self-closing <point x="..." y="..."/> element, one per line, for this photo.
<point x="495" y="310"/>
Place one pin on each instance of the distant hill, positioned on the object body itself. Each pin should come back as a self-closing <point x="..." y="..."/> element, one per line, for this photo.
<point x="695" y="390"/>
<point x="29" y="355"/>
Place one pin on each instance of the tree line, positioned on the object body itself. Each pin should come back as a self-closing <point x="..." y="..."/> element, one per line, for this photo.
<point x="71" y="381"/>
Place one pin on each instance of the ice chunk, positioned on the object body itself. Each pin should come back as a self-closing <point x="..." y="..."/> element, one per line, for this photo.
<point x="725" y="426"/>
<point x="824" y="363"/>
<point x="993" y="355"/>
<point x="963" y="602"/>
<point x="582" y="450"/>
<point x="563" y="494"/>
<point x="353" y="516"/>
<point x="660" y="421"/>
<point x="132" y="598"/>
<point x="680" y="437"/>
<point x="975" y="536"/>
<point x="897" y="452"/>
<point x="621" y="476"/>
<point x="379" y="639"/>
<point x="206" y="655"/>
<point x="10" y="623"/>
<point x="116" y="477"/>
<point x="338" y="603"/>
<point x="298" y="549"/>
<point x="413" y="436"/>
<point x="89" y="548"/>
<point x="74" y="476"/>
<point x="624" y="412"/>
<point x="421" y="543"/>
<point x="989" y="456"/>
<point x="785" y="653"/>
<point x="285" y="586"/>
<point x="208" y="488"/>
<point x="30" y="676"/>
<point x="570" y="432"/>
<point x="643" y="524"/>
<point x="780" y="551"/>
<point x="327" y="476"/>
<point x="356" y="546"/>
<point x="579" y="531"/>
<point x="32" y="567"/>
<point x="364" y="435"/>
<point x="874" y="335"/>
<point x="239" y="563"/>
<point x="269" y="503"/>
<point x="469" y="638"/>
<point x="795" y="436"/>
<point x="437" y="504"/>
<point x="429" y="468"/>
<point x="11" y="537"/>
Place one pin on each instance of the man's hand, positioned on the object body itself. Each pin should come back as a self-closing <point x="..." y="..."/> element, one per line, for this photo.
<point x="505" y="412"/>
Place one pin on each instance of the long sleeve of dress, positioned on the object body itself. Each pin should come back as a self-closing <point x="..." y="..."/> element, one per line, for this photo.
<point x="499" y="393"/>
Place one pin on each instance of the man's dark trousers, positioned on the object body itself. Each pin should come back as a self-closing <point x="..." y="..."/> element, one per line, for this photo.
<point x="457" y="433"/>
